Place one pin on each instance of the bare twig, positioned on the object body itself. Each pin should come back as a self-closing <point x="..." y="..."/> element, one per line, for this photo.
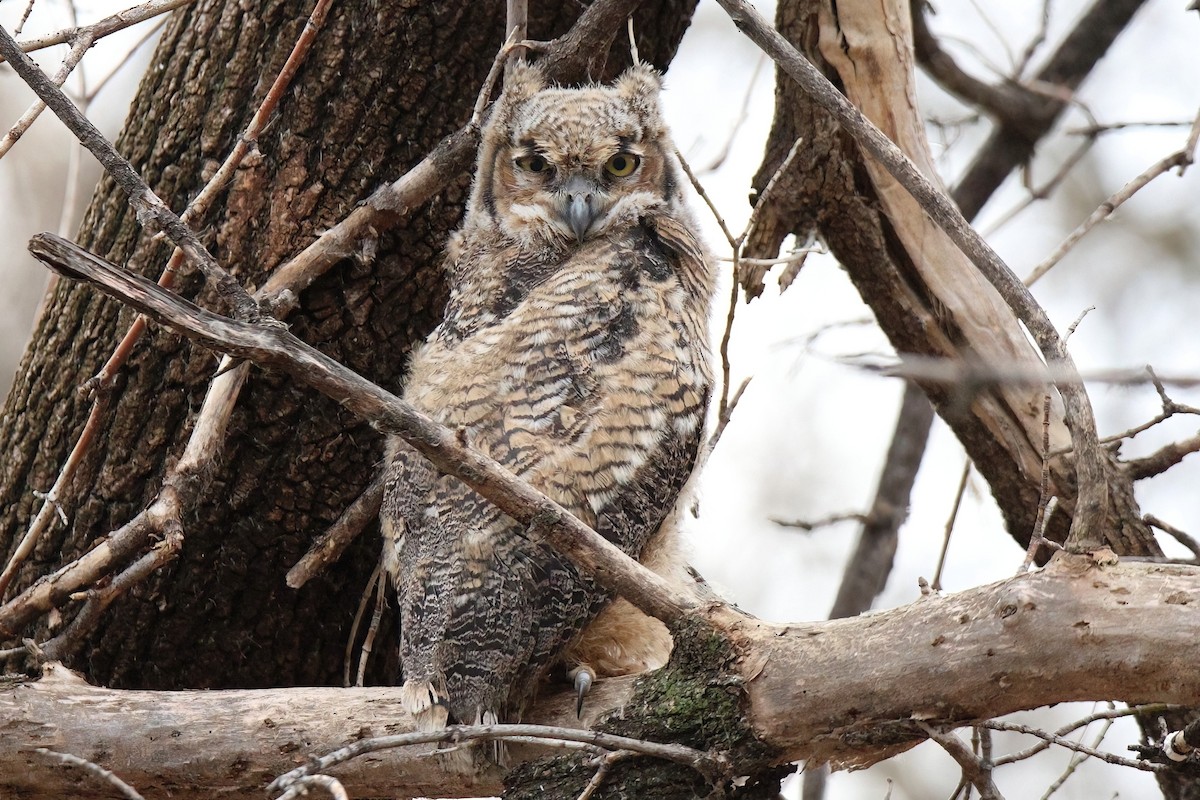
<point x="1012" y="142"/>
<point x="823" y="522"/>
<point x="1061" y="741"/>
<point x="249" y="139"/>
<point x="27" y="119"/>
<point x="69" y="641"/>
<point x="975" y="770"/>
<point x="706" y="763"/>
<point x="100" y="29"/>
<point x="1181" y="158"/>
<point x="606" y="762"/>
<point x="743" y="115"/>
<point x="377" y="588"/>
<point x="936" y="585"/>
<point x="331" y="544"/>
<point x="100" y="772"/>
<point x="151" y="210"/>
<point x="1078" y="758"/>
<point x="1092" y="503"/>
<point x="1108" y="713"/>
<point x="1037" y="535"/>
<point x="958" y="372"/>
<point x="50" y="509"/>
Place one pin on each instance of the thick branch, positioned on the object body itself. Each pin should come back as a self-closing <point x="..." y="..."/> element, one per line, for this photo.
<point x="1119" y="632"/>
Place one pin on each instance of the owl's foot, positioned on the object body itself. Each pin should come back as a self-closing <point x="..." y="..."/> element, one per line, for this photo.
<point x="428" y="709"/>
<point x="583" y="676"/>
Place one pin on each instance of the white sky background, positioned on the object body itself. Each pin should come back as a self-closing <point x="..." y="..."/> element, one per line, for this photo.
<point x="809" y="436"/>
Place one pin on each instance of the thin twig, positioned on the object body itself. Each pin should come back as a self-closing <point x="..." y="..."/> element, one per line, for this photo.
<point x="330" y="545"/>
<point x="823" y="522"/>
<point x="743" y="115"/>
<point x="958" y="498"/>
<point x="100" y="772"/>
<point x="164" y="551"/>
<point x="101" y="28"/>
<point x="151" y="210"/>
<point x="1054" y="738"/>
<point x="27" y="119"/>
<point x="1181" y="158"/>
<point x="1078" y="758"/>
<point x="606" y="763"/>
<point x="976" y="770"/>
<point x="456" y="734"/>
<point x="1037" y="535"/>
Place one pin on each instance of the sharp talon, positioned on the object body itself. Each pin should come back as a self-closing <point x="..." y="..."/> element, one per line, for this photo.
<point x="583" y="684"/>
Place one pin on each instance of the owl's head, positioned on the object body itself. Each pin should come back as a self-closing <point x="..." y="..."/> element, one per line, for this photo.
<point x="560" y="165"/>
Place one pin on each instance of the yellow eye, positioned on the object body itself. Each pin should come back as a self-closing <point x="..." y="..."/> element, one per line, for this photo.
<point x="533" y="163"/>
<point x="622" y="165"/>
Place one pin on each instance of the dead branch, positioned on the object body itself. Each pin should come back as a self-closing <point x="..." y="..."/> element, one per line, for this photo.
<point x="151" y="210"/>
<point x="1105" y="632"/>
<point x="1012" y="142"/>
<point x="101" y="28"/>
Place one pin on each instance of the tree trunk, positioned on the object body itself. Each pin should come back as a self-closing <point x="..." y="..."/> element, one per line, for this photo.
<point x="926" y="296"/>
<point x="383" y="84"/>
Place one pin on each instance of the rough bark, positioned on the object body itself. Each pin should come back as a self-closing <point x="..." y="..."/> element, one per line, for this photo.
<point x="382" y="86"/>
<point x="812" y="691"/>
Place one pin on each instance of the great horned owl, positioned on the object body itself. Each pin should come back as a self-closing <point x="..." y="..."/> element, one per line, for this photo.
<point x="574" y="352"/>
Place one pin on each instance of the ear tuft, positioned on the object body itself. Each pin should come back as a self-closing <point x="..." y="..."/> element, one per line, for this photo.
<point x="639" y="86"/>
<point x="522" y="81"/>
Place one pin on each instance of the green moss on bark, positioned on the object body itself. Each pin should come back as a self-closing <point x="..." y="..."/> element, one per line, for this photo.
<point x="696" y="700"/>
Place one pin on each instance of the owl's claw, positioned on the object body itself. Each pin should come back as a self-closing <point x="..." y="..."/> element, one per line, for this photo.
<point x="584" y="676"/>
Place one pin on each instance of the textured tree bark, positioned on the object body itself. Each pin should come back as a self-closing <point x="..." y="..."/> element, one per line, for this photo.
<point x="383" y="84"/>
<point x="814" y="691"/>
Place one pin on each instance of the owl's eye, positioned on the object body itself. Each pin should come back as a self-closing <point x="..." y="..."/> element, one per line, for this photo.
<point x="533" y="163"/>
<point x="622" y="165"/>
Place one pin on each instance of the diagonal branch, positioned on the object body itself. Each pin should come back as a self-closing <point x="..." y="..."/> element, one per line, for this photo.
<point x="270" y="345"/>
<point x="150" y="208"/>
<point x="101" y="28"/>
<point x="1093" y="489"/>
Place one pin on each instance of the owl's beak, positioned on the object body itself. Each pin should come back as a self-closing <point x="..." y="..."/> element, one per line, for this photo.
<point x="578" y="205"/>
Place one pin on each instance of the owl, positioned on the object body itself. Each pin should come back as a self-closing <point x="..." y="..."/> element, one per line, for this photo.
<point x="574" y="352"/>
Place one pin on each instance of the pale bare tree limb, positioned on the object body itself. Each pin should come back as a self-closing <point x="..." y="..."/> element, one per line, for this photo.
<point x="1115" y="632"/>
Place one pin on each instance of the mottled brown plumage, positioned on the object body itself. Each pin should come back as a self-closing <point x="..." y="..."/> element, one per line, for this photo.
<point x="573" y="351"/>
